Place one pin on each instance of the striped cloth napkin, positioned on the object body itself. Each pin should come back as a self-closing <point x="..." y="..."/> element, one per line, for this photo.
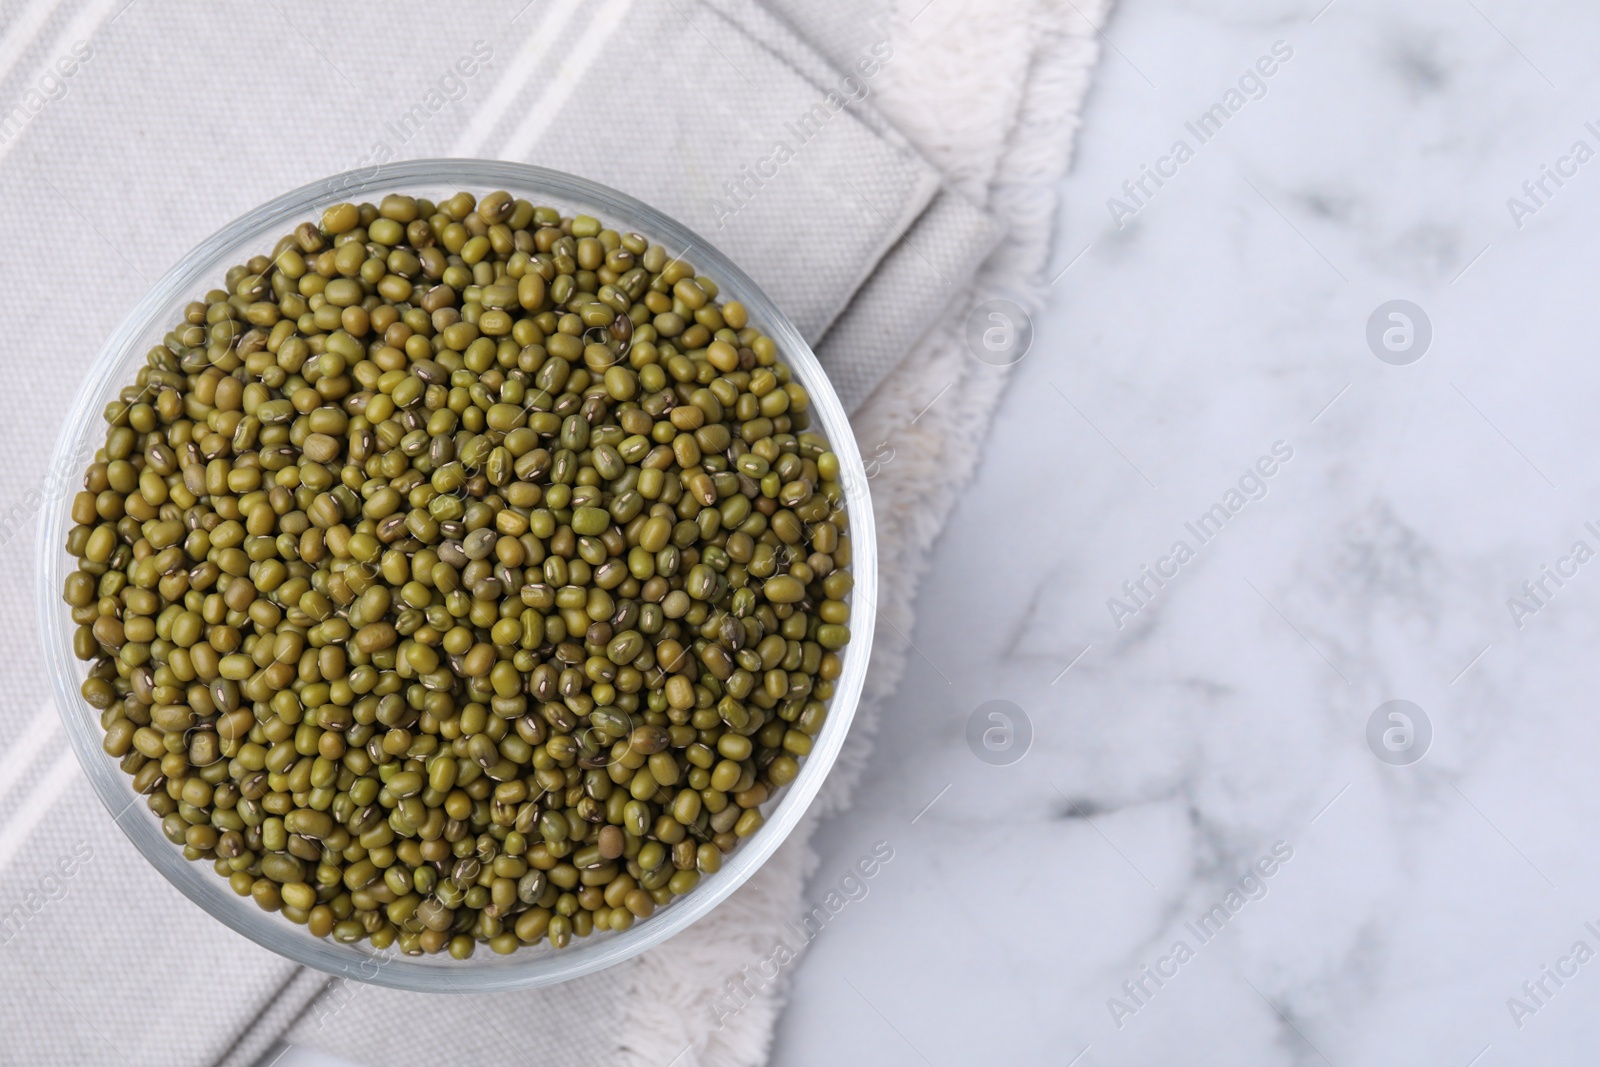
<point x="129" y="130"/>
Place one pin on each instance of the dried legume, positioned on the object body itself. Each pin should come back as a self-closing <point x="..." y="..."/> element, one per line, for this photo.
<point x="461" y="573"/>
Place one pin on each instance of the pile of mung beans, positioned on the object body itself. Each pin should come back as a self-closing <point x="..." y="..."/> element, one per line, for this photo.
<point x="461" y="572"/>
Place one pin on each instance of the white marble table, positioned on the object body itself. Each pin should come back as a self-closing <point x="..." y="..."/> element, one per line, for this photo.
<point x="1228" y="715"/>
<point x="1229" y="712"/>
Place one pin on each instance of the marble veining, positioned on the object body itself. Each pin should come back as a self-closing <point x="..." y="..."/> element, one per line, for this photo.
<point x="1429" y="911"/>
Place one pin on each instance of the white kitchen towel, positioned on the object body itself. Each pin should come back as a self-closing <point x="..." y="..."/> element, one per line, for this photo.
<point x="1005" y="144"/>
<point x="137" y="129"/>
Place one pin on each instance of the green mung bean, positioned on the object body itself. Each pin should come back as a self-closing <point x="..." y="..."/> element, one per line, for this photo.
<point x="462" y="572"/>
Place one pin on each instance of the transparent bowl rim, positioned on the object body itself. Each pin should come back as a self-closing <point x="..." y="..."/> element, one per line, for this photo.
<point x="199" y="270"/>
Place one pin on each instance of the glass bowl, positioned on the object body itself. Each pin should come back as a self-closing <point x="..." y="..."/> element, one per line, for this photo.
<point x="119" y="360"/>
